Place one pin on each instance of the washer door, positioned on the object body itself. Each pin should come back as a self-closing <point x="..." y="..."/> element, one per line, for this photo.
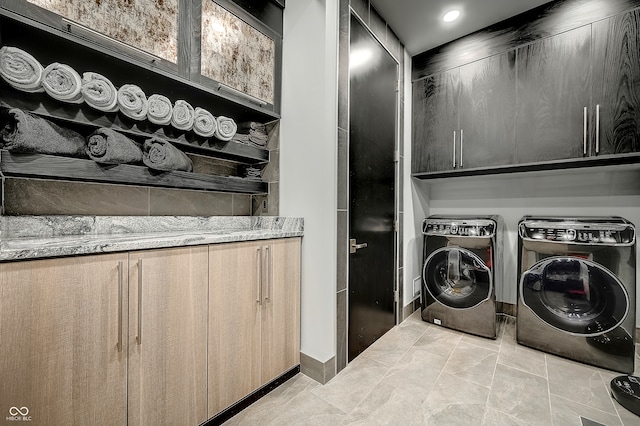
<point x="457" y="278"/>
<point x="575" y="295"/>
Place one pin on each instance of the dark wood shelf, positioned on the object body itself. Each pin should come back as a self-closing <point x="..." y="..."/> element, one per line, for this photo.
<point x="85" y="116"/>
<point x="74" y="169"/>
<point x="605" y="160"/>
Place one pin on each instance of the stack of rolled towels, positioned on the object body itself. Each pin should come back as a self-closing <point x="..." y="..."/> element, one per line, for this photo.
<point x="23" y="72"/>
<point x="21" y="131"/>
<point x="251" y="132"/>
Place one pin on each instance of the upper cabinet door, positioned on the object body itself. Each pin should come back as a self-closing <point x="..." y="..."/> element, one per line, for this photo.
<point x="616" y="88"/>
<point x="435" y="112"/>
<point x="553" y="91"/>
<point x="487" y="106"/>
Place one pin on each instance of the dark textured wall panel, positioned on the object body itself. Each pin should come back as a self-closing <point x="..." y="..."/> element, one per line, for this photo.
<point x="46" y="197"/>
<point x="163" y="202"/>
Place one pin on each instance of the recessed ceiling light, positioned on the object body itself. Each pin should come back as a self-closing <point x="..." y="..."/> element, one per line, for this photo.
<point x="450" y="16"/>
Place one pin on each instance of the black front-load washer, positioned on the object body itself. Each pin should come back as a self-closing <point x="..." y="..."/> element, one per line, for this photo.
<point x="461" y="270"/>
<point x="576" y="296"/>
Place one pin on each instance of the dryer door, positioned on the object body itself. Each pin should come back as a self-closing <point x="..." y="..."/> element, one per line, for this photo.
<point x="575" y="295"/>
<point x="457" y="278"/>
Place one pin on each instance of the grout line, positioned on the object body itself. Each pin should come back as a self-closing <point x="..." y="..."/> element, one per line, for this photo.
<point x="546" y="368"/>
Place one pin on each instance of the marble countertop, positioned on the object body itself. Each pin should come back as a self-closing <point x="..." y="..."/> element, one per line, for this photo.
<point x="32" y="237"/>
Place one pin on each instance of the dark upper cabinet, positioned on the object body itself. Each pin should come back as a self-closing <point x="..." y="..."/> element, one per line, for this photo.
<point x="487" y="105"/>
<point x="554" y="77"/>
<point x="435" y="124"/>
<point x="616" y="85"/>
<point x="464" y="117"/>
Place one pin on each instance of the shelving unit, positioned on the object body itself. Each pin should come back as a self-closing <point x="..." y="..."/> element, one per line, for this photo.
<point x="48" y="41"/>
<point x="76" y="169"/>
<point x="81" y="115"/>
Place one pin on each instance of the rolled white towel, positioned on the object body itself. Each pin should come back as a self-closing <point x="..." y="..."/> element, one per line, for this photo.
<point x="160" y="110"/>
<point x="62" y="83"/>
<point x="204" y="123"/>
<point x="21" y="70"/>
<point x="132" y="102"/>
<point x="98" y="92"/>
<point x="226" y="128"/>
<point x="183" y="116"/>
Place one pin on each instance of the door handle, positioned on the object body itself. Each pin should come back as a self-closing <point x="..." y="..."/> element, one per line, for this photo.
<point x="454" y="149"/>
<point x="120" y="289"/>
<point x="139" y="336"/>
<point x="597" y="129"/>
<point x="353" y="247"/>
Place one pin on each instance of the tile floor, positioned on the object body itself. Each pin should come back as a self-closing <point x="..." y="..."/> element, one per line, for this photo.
<point x="423" y="374"/>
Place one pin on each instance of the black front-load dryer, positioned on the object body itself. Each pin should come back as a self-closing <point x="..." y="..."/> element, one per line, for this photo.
<point x="576" y="296"/>
<point x="461" y="270"/>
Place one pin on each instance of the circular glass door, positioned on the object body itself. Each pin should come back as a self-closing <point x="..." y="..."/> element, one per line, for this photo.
<point x="457" y="278"/>
<point x="575" y="295"/>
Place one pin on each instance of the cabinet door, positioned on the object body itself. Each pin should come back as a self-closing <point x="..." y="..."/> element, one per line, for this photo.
<point x="62" y="347"/>
<point x="487" y="106"/>
<point x="616" y="85"/>
<point x="281" y="308"/>
<point x="168" y="336"/>
<point x="234" y="322"/>
<point x="435" y="119"/>
<point x="553" y="89"/>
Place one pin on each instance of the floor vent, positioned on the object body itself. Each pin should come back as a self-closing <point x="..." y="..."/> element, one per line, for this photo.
<point x="587" y="422"/>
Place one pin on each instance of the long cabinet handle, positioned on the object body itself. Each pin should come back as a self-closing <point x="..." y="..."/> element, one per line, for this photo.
<point x="454" y="149"/>
<point x="597" y="129"/>
<point x="139" y="337"/>
<point x="584" y="131"/>
<point x="259" y="275"/>
<point x="120" y="284"/>
<point x="269" y="272"/>
<point x="461" y="143"/>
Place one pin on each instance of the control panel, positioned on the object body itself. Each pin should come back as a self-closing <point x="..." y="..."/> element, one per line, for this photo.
<point x="578" y="233"/>
<point x="482" y="229"/>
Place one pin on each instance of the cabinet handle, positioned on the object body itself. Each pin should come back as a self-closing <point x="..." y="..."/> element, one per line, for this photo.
<point x="268" y="273"/>
<point x="259" y="280"/>
<point x="454" y="149"/>
<point x="120" y="283"/>
<point x="597" y="129"/>
<point x="461" y="142"/>
<point x="584" y="131"/>
<point x="139" y="336"/>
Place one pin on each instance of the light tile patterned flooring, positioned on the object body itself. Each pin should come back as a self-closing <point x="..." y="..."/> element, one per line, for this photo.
<point x="423" y="374"/>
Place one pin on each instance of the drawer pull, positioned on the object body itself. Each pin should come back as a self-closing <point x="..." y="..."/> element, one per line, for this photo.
<point x="139" y="337"/>
<point x="120" y="295"/>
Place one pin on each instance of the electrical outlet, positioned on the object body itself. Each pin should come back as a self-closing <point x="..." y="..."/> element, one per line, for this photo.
<point x="417" y="283"/>
<point x="264" y="205"/>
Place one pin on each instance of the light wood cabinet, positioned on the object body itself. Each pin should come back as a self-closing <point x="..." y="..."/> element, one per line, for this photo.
<point x="78" y="345"/>
<point x="167" y="336"/>
<point x="142" y="338"/>
<point x="63" y="347"/>
<point x="254" y="321"/>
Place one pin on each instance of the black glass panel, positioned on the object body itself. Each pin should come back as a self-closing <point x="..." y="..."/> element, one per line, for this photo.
<point x="575" y="295"/>
<point x="457" y="278"/>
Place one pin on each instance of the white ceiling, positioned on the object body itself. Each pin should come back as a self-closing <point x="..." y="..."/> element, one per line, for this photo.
<point x="419" y="25"/>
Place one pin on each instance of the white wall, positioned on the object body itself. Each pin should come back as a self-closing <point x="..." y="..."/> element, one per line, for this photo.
<point x="600" y="191"/>
<point x="308" y="152"/>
